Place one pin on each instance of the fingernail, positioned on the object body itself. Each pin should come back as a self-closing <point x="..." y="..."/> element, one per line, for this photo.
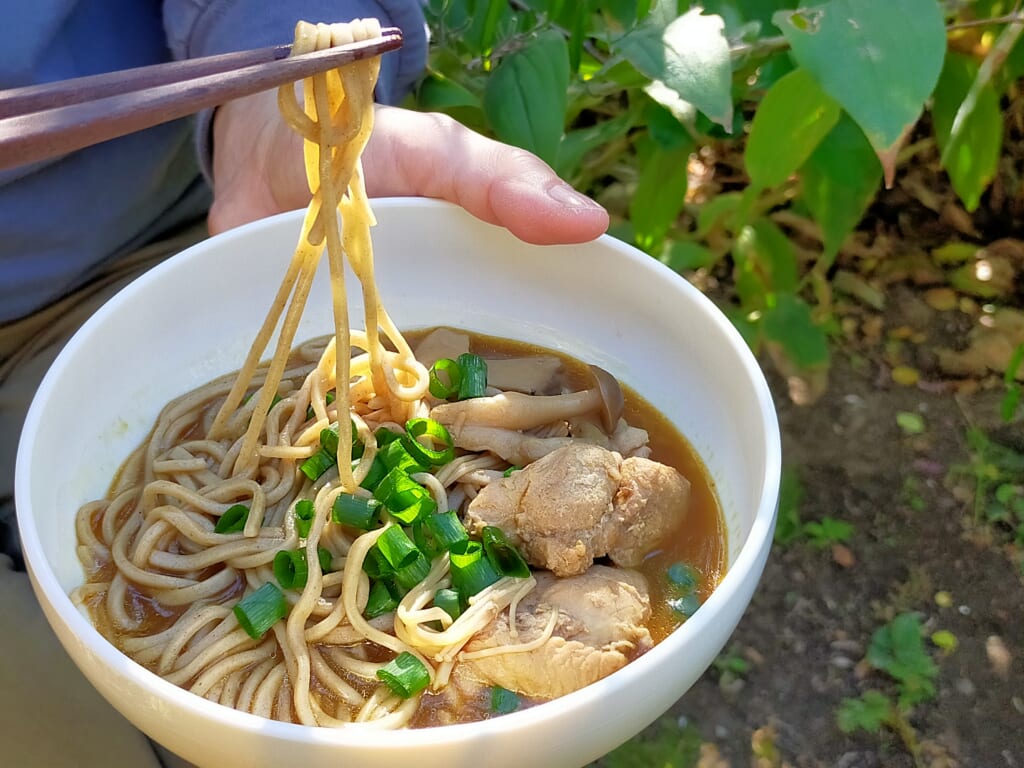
<point x="563" y="194"/>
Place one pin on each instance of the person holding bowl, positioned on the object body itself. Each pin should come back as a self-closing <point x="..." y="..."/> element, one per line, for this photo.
<point x="76" y="229"/>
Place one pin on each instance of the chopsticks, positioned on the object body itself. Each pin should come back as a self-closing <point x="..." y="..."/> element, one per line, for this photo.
<point x="41" y="121"/>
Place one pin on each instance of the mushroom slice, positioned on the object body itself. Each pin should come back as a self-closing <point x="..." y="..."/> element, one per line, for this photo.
<point x="513" y="410"/>
<point x="512" y="446"/>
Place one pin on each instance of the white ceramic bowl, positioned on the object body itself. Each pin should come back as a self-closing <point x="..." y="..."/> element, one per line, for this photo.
<point x="192" y="319"/>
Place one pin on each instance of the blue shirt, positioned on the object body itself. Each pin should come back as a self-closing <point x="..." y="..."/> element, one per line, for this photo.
<point x="60" y="220"/>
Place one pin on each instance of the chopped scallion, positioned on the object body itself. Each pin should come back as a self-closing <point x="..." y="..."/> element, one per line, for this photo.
<point x="233" y="519"/>
<point x="503" y="700"/>
<point x="377" y="472"/>
<point x="405" y="675"/>
<point x="508" y="472"/>
<point x="471" y="571"/>
<point x="304" y="512"/>
<point x="326" y="559"/>
<point x="405" y="499"/>
<point x="682" y="577"/>
<point x="474" y="376"/>
<point x="397" y="456"/>
<point x="397" y="548"/>
<point x="686" y="605"/>
<point x="318" y="463"/>
<point x="290" y="568"/>
<point x="445" y="379"/>
<point x="448" y="601"/>
<point x="375" y="565"/>
<point x="435" y="431"/>
<point x="328" y="399"/>
<point x="502" y="553"/>
<point x="356" y="511"/>
<point x="408" y="577"/>
<point x="381" y="600"/>
<point x="446" y="529"/>
<point x="260" y="610"/>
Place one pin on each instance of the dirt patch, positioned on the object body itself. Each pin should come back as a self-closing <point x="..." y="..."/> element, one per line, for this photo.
<point x="807" y="630"/>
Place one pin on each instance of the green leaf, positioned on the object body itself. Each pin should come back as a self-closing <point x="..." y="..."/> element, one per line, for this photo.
<point x="792" y="119"/>
<point x="686" y="256"/>
<point x="437" y="93"/>
<point x="789" y="323"/>
<point x="911" y="423"/>
<point x="665" y="128"/>
<point x="870" y="712"/>
<point x="576" y="144"/>
<point x="828" y="531"/>
<point x="971" y="158"/>
<point x="772" y="254"/>
<point x="688" y="54"/>
<point x="879" y="60"/>
<point x="898" y="650"/>
<point x="659" y="196"/>
<point x="840" y="179"/>
<point x="791" y="495"/>
<point x="525" y="98"/>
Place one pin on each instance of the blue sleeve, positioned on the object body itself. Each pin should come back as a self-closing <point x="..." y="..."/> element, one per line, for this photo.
<point x="208" y="27"/>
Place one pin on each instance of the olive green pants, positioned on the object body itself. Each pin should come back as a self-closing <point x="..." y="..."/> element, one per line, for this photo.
<point x="50" y="716"/>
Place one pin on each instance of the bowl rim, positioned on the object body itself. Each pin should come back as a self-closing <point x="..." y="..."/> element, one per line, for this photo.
<point x="748" y="559"/>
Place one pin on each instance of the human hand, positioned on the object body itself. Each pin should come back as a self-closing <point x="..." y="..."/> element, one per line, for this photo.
<point x="258" y="171"/>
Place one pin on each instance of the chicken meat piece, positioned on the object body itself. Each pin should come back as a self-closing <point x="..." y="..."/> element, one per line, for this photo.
<point x="581" y="502"/>
<point x="600" y="626"/>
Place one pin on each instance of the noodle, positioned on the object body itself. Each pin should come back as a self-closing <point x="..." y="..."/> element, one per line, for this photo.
<point x="220" y="446"/>
<point x="168" y="566"/>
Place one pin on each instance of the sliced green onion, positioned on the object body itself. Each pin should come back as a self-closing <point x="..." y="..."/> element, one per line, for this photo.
<point x="405" y="675"/>
<point x="233" y="519"/>
<point x="474" y="376"/>
<point x="356" y="511"/>
<point x="318" y="463"/>
<point x="260" y="610"/>
<point x="434" y="431"/>
<point x="443" y="369"/>
<point x="397" y="456"/>
<point x="503" y="554"/>
<point x="405" y="499"/>
<point x="508" y="472"/>
<point x="385" y="436"/>
<point x="446" y="529"/>
<point x="686" y="605"/>
<point x="290" y="568"/>
<point x="381" y="600"/>
<point x="328" y="399"/>
<point x="471" y="571"/>
<point x="503" y="700"/>
<point x="397" y="548"/>
<point x="448" y="601"/>
<point x="408" y="577"/>
<point x="329" y="440"/>
<point x="304" y="512"/>
<point x="377" y="472"/>
<point x="326" y="559"/>
<point x="375" y="565"/>
<point x="682" y="577"/>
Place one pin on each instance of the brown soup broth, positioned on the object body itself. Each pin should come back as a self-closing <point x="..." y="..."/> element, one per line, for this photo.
<point x="701" y="544"/>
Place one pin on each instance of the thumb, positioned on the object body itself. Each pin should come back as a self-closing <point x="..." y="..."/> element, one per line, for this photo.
<point x="429" y="154"/>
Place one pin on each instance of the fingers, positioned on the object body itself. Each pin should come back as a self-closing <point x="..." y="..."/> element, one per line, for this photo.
<point x="258" y="171"/>
<point x="414" y="153"/>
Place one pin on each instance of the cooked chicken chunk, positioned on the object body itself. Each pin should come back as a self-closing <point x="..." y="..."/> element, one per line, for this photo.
<point x="581" y="502"/>
<point x="600" y="627"/>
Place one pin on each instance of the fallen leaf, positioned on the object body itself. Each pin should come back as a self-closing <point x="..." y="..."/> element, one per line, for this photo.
<point x="990" y="346"/>
<point x="990" y="276"/>
<point x="941" y="299"/>
<point x="843" y="557"/>
<point x="998" y="655"/>
<point x="710" y="757"/>
<point x="905" y="375"/>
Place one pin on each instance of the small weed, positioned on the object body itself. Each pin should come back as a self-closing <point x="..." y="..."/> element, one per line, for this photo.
<point x="827" y="531"/>
<point x="911" y="423"/>
<point x="790" y="528"/>
<point x="897" y="650"/>
<point x="732" y="668"/>
<point x="665" y="745"/>
<point x="997" y="475"/>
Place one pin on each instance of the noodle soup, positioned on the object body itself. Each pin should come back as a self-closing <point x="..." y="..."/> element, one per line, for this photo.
<point x="165" y="576"/>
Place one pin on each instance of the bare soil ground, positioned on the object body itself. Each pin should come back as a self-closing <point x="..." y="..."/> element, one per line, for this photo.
<point x="908" y="315"/>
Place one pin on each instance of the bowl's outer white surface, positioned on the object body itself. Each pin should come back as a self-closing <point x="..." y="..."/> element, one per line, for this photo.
<point x="193" y="317"/>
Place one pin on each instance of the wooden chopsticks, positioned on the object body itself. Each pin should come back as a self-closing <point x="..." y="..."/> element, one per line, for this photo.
<point x="43" y="121"/>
